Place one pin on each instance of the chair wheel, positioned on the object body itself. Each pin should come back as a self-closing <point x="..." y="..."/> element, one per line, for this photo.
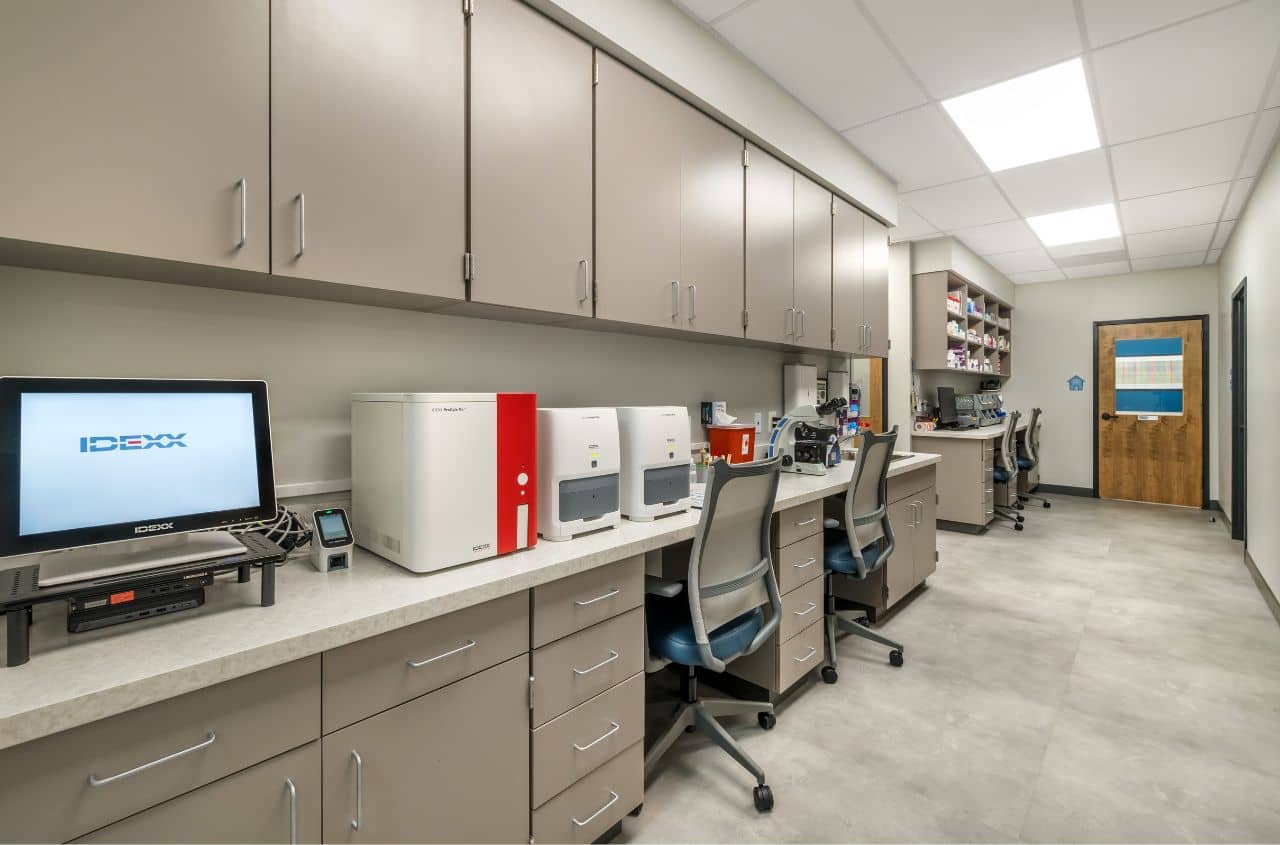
<point x="1020" y="518"/>
<point x="895" y="657"/>
<point x="1046" y="504"/>
<point x="829" y="674"/>
<point x="864" y="621"/>
<point x="767" y="720"/>
<point x="690" y="728"/>
<point x="1017" y="527"/>
<point x="763" y="796"/>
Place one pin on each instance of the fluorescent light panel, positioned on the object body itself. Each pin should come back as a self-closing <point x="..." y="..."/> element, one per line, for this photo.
<point x="1077" y="225"/>
<point x="1042" y="115"/>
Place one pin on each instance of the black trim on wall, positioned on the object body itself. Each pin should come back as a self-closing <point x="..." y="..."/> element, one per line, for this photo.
<point x="1204" y="394"/>
<point x="1065" y="490"/>
<point x="1239" y="384"/>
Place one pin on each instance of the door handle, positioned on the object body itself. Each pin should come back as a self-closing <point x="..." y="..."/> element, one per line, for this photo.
<point x="243" y="187"/>
<point x="293" y="810"/>
<point x="358" y="821"/>
<point x="1106" y="415"/>
<point x="675" y="300"/>
<point x="693" y="302"/>
<point x="585" y="293"/>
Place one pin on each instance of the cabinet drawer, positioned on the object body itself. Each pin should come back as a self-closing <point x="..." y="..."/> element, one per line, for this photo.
<point x="274" y="801"/>
<point x="569" y="671"/>
<point x="902" y="486"/>
<point x="799" y="654"/>
<point x="798" y="563"/>
<point x="800" y="608"/>
<point x="580" y="601"/>
<point x="584" y="811"/>
<point x="375" y="674"/>
<point x="47" y="790"/>
<point x="797" y="523"/>
<point x="575" y="744"/>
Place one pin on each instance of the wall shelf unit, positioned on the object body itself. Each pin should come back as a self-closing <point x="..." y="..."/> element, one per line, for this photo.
<point x="959" y="327"/>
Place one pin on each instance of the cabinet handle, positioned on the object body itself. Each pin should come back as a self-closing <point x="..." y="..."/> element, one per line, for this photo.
<point x="675" y="300"/>
<point x="791" y="321"/>
<point x="990" y="490"/>
<point x="94" y="780"/>
<point x="301" y="199"/>
<point x="293" y="811"/>
<point x="589" y="819"/>
<point x="810" y="562"/>
<point x="585" y="293"/>
<point x="418" y="664"/>
<point x="613" y="655"/>
<point x="613" y="592"/>
<point x="812" y="652"/>
<point x="612" y="730"/>
<point x="243" y="187"/>
<point x="810" y="521"/>
<point x="868" y="338"/>
<point x="810" y="609"/>
<point x="358" y="821"/>
<point x="802" y="315"/>
<point x="693" y="302"/>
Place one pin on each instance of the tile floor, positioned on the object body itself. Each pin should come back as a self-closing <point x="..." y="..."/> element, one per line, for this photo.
<point x="1111" y="674"/>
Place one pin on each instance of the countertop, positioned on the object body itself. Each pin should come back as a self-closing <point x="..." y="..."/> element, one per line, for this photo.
<point x="991" y="432"/>
<point x="72" y="680"/>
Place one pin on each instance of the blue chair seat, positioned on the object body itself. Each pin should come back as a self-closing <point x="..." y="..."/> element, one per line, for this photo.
<point x="671" y="632"/>
<point x="1025" y="463"/>
<point x="1001" y="475"/>
<point x="837" y="554"/>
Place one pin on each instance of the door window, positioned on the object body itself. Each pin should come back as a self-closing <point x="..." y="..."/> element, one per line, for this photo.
<point x="1149" y="376"/>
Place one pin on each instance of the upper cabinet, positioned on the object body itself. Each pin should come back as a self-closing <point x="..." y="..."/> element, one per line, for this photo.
<point x="812" y="322"/>
<point x="875" y="285"/>
<point x="531" y="154"/>
<point x="367" y="144"/>
<point x="669" y="225"/>
<point x="770" y="228"/>
<point x="137" y="127"/>
<point x="848" y="326"/>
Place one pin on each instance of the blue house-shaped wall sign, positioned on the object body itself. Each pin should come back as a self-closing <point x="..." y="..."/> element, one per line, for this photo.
<point x="1075" y="384"/>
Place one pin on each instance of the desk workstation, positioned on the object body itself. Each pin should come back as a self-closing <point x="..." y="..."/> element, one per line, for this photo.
<point x="966" y="482"/>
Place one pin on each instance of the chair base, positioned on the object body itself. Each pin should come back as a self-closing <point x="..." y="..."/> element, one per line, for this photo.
<point x="1026" y="497"/>
<point x="1013" y="517"/>
<point x="835" y="620"/>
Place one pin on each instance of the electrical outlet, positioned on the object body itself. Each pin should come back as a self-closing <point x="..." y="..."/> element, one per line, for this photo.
<point x="759" y="423"/>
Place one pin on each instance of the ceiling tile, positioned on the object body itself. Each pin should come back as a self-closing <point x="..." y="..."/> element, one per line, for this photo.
<point x="1235" y="202"/>
<point x="1107" y="268"/>
<point x="957" y="47"/>
<point x="1207" y="69"/>
<point x="1087" y="248"/>
<point x="1168" y="262"/>
<point x="1205" y="155"/>
<point x="1076" y="181"/>
<point x="1112" y="20"/>
<point x="1170" y="241"/>
<point x="1264" y="138"/>
<point x="709" y="10"/>
<point x="960" y="205"/>
<point x="1214" y="255"/>
<point x="911" y="227"/>
<point x="919" y="148"/>
<point x="1053" y="275"/>
<point x="824" y="53"/>
<point x="1169" y="211"/>
<point x="1224" y="234"/>
<point x="999" y="237"/>
<point x="1022" y="261"/>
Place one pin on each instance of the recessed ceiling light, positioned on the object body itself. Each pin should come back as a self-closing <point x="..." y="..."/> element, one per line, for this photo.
<point x="1077" y="225"/>
<point x="1042" y="115"/>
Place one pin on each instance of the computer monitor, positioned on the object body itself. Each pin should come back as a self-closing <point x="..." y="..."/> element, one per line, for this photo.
<point x="947" y="406"/>
<point x="91" y="461"/>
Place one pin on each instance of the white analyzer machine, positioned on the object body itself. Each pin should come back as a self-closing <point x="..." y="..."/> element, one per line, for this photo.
<point x="579" y="462"/>
<point x="655" y="461"/>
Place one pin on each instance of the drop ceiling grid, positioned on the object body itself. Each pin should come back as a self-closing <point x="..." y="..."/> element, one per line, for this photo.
<point x="1166" y="139"/>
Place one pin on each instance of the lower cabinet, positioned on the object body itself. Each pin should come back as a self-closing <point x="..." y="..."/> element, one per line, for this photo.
<point x="275" y="801"/>
<point x="585" y="811"/>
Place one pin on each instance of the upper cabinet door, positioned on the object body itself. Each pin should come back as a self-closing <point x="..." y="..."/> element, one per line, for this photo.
<point x="367" y="144"/>
<point x="137" y="127"/>
<point x="875" y="285"/>
<point x="770" y="248"/>
<point x="711" y="225"/>
<point x="638" y="137"/>
<point x="847" y="323"/>
<point x="531" y="141"/>
<point x="813" y="264"/>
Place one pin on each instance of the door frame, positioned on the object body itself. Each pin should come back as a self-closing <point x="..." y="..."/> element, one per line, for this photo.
<point x="1239" y="407"/>
<point x="1205" y="383"/>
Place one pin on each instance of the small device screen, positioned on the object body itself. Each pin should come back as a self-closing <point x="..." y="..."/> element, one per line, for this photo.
<point x="946" y="405"/>
<point x="332" y="528"/>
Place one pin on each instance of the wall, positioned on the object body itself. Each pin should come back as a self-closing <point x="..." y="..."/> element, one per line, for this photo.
<point x="1254" y="253"/>
<point x="898" y="371"/>
<point x="949" y="254"/>
<point x="1053" y="340"/>
<point x="316" y="354"/>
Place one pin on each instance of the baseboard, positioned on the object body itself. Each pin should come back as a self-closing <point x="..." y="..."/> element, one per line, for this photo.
<point x="1065" y="490"/>
<point x="312" y="488"/>
<point x="1263" y="588"/>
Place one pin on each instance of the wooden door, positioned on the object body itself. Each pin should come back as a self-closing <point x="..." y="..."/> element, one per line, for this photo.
<point x="137" y="127"/>
<point x="847" y="332"/>
<point x="1150" y="425"/>
<point x="638" y="207"/>
<point x="812" y="263"/>
<point x="367" y="137"/>
<point x="531" y="143"/>
<point x="770" y="248"/>
<point x="900" y="569"/>
<point x="875" y="286"/>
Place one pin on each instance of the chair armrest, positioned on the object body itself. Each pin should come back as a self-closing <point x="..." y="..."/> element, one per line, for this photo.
<point x="655" y="586"/>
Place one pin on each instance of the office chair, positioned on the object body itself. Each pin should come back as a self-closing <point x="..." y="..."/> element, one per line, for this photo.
<point x="1029" y="455"/>
<point x="863" y="544"/>
<point x="1007" y="472"/>
<point x="721" y="617"/>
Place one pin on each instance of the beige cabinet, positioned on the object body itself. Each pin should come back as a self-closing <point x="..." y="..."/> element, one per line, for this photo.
<point x="875" y="286"/>
<point x="848" y="325"/>
<point x="812" y="290"/>
<point x="367" y="144"/>
<point x="137" y="127"/>
<point x="531" y="161"/>
<point x="770" y="248"/>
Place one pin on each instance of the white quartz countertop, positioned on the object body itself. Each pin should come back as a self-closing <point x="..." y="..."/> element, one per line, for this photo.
<point x="991" y="432"/>
<point x="74" y="679"/>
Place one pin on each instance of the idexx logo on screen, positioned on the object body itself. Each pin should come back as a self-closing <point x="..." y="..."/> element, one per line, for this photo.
<point x="131" y="442"/>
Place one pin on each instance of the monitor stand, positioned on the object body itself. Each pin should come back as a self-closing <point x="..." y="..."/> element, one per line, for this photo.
<point x="134" y="556"/>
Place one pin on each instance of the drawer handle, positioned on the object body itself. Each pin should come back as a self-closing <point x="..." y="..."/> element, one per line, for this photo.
<point x="94" y="780"/>
<point x="810" y="609"/>
<point x="293" y="811"/>
<point x="613" y="655"/>
<point x="812" y="652"/>
<point x="613" y="799"/>
<point x="358" y="821"/>
<point x="418" y="664"/>
<point x="810" y="521"/>
<point x="613" y="730"/>
<point x="991" y="489"/>
<point x="810" y="562"/>
<point x="607" y="595"/>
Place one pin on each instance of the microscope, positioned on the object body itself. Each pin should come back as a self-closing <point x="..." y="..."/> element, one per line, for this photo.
<point x="806" y="443"/>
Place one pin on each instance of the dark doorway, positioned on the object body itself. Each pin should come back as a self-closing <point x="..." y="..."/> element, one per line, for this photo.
<point x="1239" y="404"/>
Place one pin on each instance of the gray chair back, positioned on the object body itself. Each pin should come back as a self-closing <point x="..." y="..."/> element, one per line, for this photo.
<point x="1009" y="446"/>
<point x="1030" y="447"/>
<point x="730" y="566"/>
<point x="866" y="504"/>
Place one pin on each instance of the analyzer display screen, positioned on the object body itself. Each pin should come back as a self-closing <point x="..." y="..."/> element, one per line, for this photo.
<point x="333" y="528"/>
